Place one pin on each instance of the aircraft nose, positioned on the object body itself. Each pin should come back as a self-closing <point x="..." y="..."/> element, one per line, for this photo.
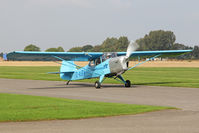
<point x="118" y="65"/>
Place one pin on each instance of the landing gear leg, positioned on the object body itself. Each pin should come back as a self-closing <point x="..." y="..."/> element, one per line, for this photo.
<point x="98" y="83"/>
<point x="127" y="83"/>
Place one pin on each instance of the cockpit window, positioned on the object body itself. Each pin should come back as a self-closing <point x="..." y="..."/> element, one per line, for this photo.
<point x="113" y="55"/>
<point x="92" y="63"/>
<point x="106" y="56"/>
<point x="95" y="62"/>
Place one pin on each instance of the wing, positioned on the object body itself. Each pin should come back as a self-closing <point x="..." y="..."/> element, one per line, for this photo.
<point x="50" y="56"/>
<point x="84" y="56"/>
<point x="162" y="53"/>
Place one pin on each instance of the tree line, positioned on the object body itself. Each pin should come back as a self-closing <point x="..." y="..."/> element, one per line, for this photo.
<point x="154" y="40"/>
<point x="32" y="47"/>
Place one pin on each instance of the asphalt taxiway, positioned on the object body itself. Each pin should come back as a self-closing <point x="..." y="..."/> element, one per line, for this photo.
<point x="182" y="121"/>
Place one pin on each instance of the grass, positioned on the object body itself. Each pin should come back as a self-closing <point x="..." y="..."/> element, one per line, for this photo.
<point x="175" y="77"/>
<point x="14" y="107"/>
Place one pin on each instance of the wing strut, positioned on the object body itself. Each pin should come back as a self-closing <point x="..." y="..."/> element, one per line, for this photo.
<point x="144" y="61"/>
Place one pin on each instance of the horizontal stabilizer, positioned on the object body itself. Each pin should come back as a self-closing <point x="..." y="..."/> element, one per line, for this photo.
<point x="54" y="72"/>
<point x="60" y="72"/>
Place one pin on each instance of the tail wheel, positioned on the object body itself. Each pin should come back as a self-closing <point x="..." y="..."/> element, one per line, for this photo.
<point x="128" y="83"/>
<point x="67" y="83"/>
<point x="97" y="85"/>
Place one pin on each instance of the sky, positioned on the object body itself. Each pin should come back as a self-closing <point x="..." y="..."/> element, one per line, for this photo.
<point x="71" y="23"/>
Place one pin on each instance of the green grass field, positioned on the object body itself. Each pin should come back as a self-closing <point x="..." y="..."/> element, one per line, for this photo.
<point x="176" y="77"/>
<point x="15" y="107"/>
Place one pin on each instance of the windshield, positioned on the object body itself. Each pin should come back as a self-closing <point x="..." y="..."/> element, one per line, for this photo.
<point x="106" y="56"/>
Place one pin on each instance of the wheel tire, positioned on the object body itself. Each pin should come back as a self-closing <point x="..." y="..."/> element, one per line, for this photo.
<point x="97" y="85"/>
<point x="128" y="83"/>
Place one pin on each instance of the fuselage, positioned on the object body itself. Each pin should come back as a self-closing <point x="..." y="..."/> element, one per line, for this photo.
<point x="109" y="67"/>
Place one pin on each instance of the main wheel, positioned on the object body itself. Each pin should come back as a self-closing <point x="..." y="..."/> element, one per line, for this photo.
<point x="97" y="85"/>
<point x="128" y="83"/>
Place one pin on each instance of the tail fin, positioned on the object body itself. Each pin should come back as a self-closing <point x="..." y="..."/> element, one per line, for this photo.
<point x="67" y="69"/>
<point x="68" y="66"/>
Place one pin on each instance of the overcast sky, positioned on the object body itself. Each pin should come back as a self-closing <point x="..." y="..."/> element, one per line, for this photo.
<point x="69" y="23"/>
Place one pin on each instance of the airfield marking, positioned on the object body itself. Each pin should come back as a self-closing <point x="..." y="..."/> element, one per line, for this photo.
<point x="183" y="121"/>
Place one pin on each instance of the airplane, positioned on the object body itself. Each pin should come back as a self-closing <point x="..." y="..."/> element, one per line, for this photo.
<point x="101" y="65"/>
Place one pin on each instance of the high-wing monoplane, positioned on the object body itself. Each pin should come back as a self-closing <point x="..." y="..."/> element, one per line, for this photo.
<point x="101" y="65"/>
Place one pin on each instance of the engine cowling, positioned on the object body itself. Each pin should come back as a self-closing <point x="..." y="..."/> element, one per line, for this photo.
<point x="118" y="65"/>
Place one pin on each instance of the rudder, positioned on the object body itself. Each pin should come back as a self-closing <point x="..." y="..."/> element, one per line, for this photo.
<point x="67" y="69"/>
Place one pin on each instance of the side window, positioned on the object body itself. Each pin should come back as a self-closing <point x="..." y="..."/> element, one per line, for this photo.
<point x="103" y="58"/>
<point x="92" y="63"/>
<point x="106" y="56"/>
<point x="97" y="61"/>
<point x="114" y="55"/>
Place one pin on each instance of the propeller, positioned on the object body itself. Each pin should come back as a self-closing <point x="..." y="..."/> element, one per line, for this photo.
<point x="125" y="59"/>
<point x="120" y="64"/>
<point x="131" y="48"/>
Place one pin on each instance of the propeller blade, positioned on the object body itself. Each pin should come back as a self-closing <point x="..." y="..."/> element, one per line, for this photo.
<point x="131" y="48"/>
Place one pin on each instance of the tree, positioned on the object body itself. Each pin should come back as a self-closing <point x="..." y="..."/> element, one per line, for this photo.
<point x="122" y="43"/>
<point x="31" y="47"/>
<point x="51" y="50"/>
<point x="87" y="48"/>
<point x="195" y="52"/>
<point x="75" y="49"/>
<point x="59" y="49"/>
<point x="157" y="40"/>
<point x="109" y="45"/>
<point x="97" y="48"/>
<point x="178" y="46"/>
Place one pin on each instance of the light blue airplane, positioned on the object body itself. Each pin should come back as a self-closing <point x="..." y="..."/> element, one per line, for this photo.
<point x="101" y="65"/>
